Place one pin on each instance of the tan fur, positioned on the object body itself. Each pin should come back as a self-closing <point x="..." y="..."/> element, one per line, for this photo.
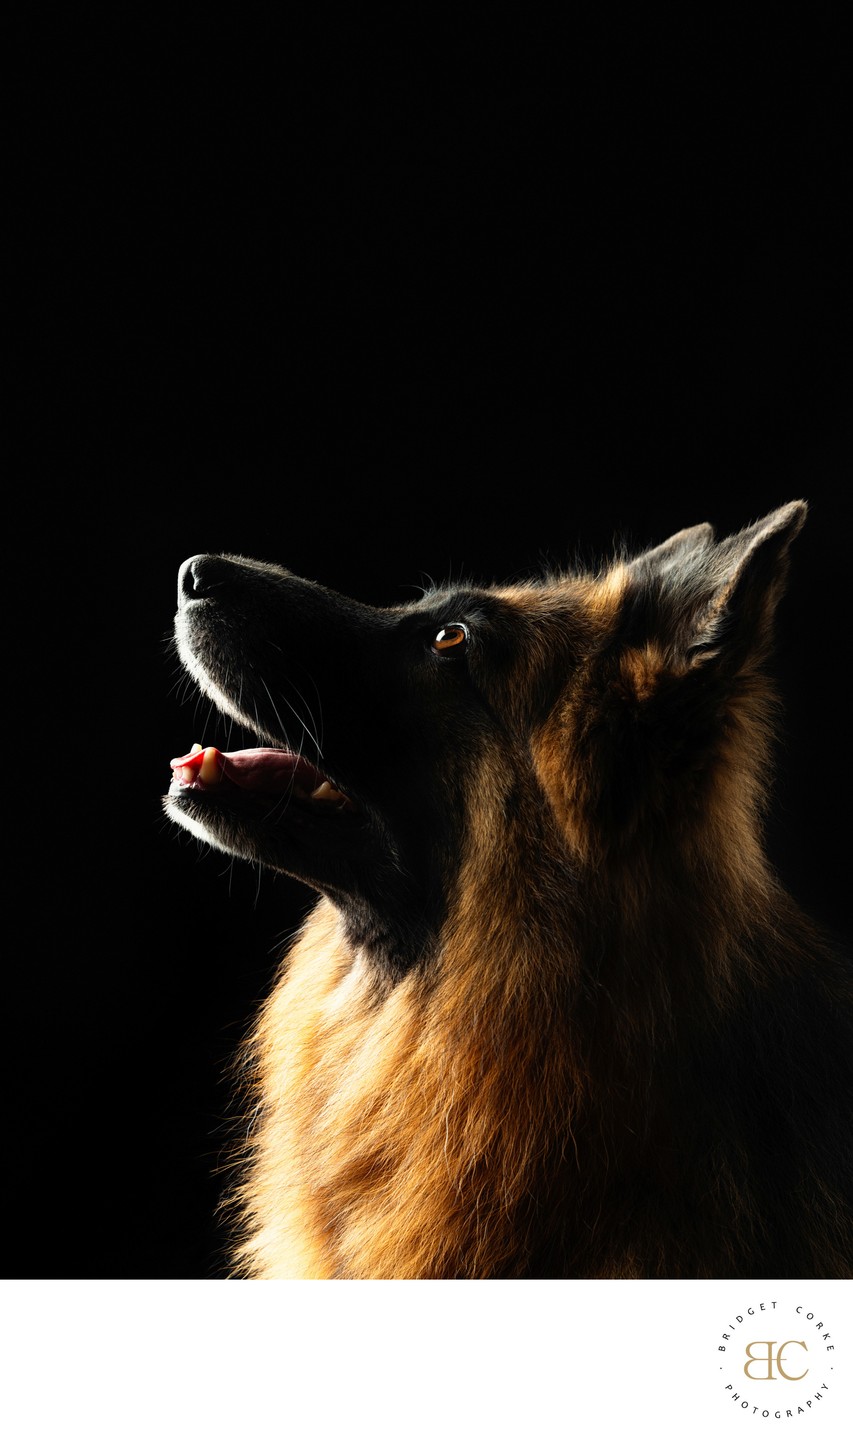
<point x="389" y="1117"/>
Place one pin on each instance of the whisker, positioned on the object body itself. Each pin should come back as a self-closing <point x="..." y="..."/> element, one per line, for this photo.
<point x="306" y="731"/>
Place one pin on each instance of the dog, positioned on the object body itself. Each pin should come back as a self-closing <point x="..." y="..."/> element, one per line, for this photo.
<point x="553" y="1015"/>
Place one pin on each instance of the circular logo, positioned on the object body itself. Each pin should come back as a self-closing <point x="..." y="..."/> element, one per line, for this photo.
<point x="777" y="1360"/>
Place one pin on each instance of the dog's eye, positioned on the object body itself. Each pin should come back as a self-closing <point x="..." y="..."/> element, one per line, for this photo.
<point x="453" y="638"/>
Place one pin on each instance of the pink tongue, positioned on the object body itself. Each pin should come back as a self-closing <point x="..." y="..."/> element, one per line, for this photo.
<point x="271" y="769"/>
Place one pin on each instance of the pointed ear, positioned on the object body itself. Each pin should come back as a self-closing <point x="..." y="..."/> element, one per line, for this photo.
<point x="744" y="582"/>
<point x="677" y="549"/>
<point x="702" y="600"/>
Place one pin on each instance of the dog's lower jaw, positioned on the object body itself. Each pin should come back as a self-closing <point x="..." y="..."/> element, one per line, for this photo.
<point x="388" y="916"/>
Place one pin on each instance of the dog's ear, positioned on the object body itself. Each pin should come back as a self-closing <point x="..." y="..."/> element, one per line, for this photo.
<point x="676" y="550"/>
<point x="701" y="602"/>
<point x="697" y="621"/>
<point x="678" y="684"/>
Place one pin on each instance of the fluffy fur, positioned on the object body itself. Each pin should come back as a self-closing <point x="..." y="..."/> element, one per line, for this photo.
<point x="553" y="1015"/>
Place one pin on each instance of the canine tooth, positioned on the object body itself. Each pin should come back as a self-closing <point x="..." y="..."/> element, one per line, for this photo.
<point x="326" y="792"/>
<point x="196" y="748"/>
<point x="210" y="772"/>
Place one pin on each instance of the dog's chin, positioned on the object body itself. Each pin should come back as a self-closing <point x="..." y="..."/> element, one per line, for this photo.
<point x="317" y="841"/>
<point x="348" y="855"/>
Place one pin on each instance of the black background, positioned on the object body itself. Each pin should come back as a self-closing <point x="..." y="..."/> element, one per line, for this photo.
<point x="467" y="319"/>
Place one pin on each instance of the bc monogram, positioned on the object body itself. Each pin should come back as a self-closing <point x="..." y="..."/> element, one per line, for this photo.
<point x="770" y="1361"/>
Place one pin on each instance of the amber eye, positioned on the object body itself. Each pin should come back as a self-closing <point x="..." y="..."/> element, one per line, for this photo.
<point x="452" y="638"/>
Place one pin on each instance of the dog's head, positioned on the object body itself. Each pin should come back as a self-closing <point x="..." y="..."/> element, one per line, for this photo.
<point x="566" y="713"/>
<point x="372" y="723"/>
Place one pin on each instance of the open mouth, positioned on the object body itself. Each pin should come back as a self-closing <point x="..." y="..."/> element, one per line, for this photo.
<point x="262" y="772"/>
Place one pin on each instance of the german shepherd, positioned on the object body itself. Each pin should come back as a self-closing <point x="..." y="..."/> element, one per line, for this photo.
<point x="553" y="1015"/>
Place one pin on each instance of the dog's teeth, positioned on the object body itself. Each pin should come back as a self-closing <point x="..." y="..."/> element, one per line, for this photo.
<point x="325" y="791"/>
<point x="210" y="773"/>
<point x="196" y="748"/>
<point x="326" y="794"/>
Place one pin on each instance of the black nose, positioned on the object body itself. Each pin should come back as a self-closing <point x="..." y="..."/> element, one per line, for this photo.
<point x="199" y="576"/>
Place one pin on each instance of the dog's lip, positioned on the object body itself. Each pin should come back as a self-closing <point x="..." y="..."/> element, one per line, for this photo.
<point x="261" y="770"/>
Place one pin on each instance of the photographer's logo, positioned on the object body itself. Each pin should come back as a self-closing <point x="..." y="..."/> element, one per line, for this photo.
<point x="777" y="1361"/>
<point x="769" y="1375"/>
